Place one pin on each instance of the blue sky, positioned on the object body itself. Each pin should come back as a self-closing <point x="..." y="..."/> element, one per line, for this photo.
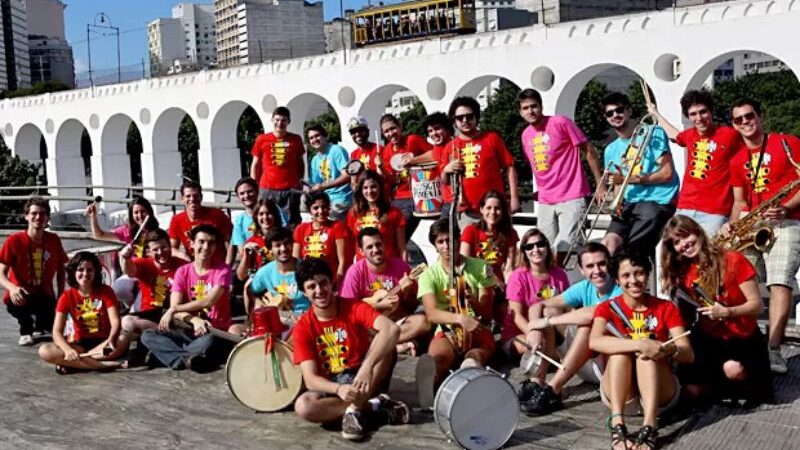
<point x="132" y="16"/>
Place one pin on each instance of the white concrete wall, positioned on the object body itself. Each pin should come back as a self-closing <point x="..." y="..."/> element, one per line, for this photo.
<point x="436" y="70"/>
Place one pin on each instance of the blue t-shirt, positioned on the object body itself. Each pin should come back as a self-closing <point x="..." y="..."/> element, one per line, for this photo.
<point x="329" y="166"/>
<point x="584" y="294"/>
<point x="269" y="278"/>
<point x="243" y="229"/>
<point x="663" y="193"/>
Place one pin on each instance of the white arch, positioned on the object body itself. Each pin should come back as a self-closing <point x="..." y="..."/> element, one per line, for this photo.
<point x="568" y="98"/>
<point x="111" y="165"/>
<point x="166" y="128"/>
<point x="68" y="139"/>
<point x="374" y="104"/>
<point x="707" y="68"/>
<point x="28" y="142"/>
<point x="225" y="123"/>
<point x="301" y="105"/>
<point x="114" y="137"/>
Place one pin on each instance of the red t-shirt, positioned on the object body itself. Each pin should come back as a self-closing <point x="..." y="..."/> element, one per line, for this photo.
<point x="387" y="224"/>
<point x="658" y="318"/>
<point x="281" y="159"/>
<point x="32" y="266"/>
<point x="411" y="144"/>
<point x="706" y="182"/>
<point x="490" y="248"/>
<point x="181" y="225"/>
<point x="484" y="157"/>
<point x="88" y="315"/>
<point x="321" y="243"/>
<point x="338" y="344"/>
<point x="155" y="283"/>
<point x="263" y="255"/>
<point x="774" y="173"/>
<point x="737" y="270"/>
<point x="366" y="155"/>
<point x="441" y="154"/>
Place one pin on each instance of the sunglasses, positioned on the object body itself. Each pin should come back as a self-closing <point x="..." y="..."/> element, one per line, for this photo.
<point x="531" y="245"/>
<point x="618" y="110"/>
<point x="738" y="120"/>
<point x="464" y="117"/>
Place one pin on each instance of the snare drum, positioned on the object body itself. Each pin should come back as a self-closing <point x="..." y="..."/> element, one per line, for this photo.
<point x="477" y="409"/>
<point x="250" y="376"/>
<point x="426" y="188"/>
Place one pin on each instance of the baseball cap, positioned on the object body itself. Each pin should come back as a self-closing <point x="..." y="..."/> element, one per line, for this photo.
<point x="357" y="122"/>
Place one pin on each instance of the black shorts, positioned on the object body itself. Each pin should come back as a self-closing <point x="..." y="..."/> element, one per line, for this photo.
<point x="711" y="353"/>
<point x="153" y="315"/>
<point x="641" y="223"/>
<point x="88" y="343"/>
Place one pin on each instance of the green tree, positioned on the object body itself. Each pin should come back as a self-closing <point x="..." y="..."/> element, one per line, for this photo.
<point x="14" y="172"/>
<point x="36" y="89"/>
<point x="412" y="119"/>
<point x="133" y="146"/>
<point x="588" y="115"/>
<point x="247" y="130"/>
<point x="329" y="121"/>
<point x="778" y="92"/>
<point x="502" y="116"/>
<point x="188" y="145"/>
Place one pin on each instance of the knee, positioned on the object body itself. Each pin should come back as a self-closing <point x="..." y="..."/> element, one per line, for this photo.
<point x="734" y="370"/>
<point x="129" y="324"/>
<point x="49" y="352"/>
<point x="304" y="407"/>
<point x="147" y="337"/>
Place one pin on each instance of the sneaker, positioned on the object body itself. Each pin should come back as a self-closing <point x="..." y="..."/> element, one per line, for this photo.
<point x="26" y="340"/>
<point x="426" y="371"/>
<point x="545" y="402"/>
<point x="200" y="364"/>
<point x="397" y="413"/>
<point x="776" y="361"/>
<point x="352" y="425"/>
<point x="527" y="390"/>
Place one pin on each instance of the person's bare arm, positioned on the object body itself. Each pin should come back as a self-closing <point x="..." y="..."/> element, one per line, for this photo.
<point x="177" y="250"/>
<point x="61" y="280"/>
<point x="126" y="264"/>
<point x="98" y="233"/>
<point x="664" y="174"/>
<point x="593" y="159"/>
<point x="513" y="189"/>
<point x="255" y="168"/>
<point x="17" y="293"/>
<point x="739" y="203"/>
<point x="670" y="129"/>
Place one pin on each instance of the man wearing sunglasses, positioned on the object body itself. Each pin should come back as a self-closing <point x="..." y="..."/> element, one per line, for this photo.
<point x="706" y="195"/>
<point x="481" y="156"/>
<point x="759" y="170"/>
<point x="553" y="146"/>
<point x="550" y="317"/>
<point x="649" y="199"/>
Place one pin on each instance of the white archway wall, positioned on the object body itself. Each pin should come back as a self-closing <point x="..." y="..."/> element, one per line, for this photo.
<point x="65" y="164"/>
<point x="27" y="143"/>
<point x="111" y="162"/>
<point x="161" y="160"/>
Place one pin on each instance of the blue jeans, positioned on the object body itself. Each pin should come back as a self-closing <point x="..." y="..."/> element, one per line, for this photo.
<point x="710" y="223"/>
<point x="174" y="347"/>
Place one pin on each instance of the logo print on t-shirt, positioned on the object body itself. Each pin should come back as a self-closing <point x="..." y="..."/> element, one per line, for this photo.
<point x="546" y="292"/>
<point x="364" y="158"/>
<point x="161" y="290"/>
<point x="379" y="283"/>
<point x="315" y="244"/>
<point x="332" y="346"/>
<point x="279" y="152"/>
<point x="761" y="183"/>
<point x="90" y="314"/>
<point x="703" y="155"/>
<point x="325" y="169"/>
<point x="470" y="155"/>
<point x="489" y="251"/>
<point x="39" y="258"/>
<point x="369" y="220"/>
<point x="630" y="154"/>
<point x="540" y="145"/>
<point x="642" y="326"/>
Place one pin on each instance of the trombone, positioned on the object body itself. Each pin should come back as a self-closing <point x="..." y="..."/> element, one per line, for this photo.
<point x="640" y="140"/>
<point x="598" y="202"/>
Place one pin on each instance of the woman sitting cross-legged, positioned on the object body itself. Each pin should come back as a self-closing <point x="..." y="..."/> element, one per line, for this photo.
<point x="639" y="362"/>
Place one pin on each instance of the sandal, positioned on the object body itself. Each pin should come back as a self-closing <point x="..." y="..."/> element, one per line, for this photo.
<point x="619" y="434"/>
<point x="647" y="437"/>
<point x="64" y="370"/>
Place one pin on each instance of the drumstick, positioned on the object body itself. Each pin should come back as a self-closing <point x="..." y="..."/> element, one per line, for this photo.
<point x="544" y="357"/>
<point x="141" y="228"/>
<point x="671" y="341"/>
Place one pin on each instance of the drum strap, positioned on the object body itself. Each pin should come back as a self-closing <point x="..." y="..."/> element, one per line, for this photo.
<point x="269" y="352"/>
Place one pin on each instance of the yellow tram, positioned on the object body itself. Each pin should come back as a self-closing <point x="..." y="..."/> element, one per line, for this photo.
<point x="412" y="20"/>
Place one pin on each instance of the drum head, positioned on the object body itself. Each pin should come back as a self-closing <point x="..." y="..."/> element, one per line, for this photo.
<point x="529" y="362"/>
<point x="397" y="162"/>
<point x="481" y="411"/>
<point x="250" y="377"/>
<point x="354" y="167"/>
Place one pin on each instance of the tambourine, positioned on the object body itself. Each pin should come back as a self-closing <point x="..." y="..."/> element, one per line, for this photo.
<point x="354" y="168"/>
<point x="398" y="162"/>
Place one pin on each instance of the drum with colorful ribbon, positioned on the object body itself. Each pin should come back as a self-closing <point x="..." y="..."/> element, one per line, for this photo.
<point x="426" y="189"/>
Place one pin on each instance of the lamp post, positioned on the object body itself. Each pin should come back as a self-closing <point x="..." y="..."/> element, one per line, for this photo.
<point x="103" y="22"/>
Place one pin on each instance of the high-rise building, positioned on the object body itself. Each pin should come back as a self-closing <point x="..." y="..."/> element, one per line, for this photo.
<point x="50" y="54"/>
<point x="253" y="31"/>
<point x="165" y="44"/>
<point x="338" y="34"/>
<point x="15" y="67"/>
<point x="496" y="15"/>
<point x="199" y="30"/>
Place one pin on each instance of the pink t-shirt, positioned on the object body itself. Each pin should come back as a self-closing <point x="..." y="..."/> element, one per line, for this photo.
<point x="196" y="287"/>
<point x="524" y="288"/>
<point x="123" y="233"/>
<point x="552" y="150"/>
<point x="359" y="282"/>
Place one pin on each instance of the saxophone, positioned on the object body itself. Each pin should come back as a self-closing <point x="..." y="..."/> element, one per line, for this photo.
<point x="754" y="230"/>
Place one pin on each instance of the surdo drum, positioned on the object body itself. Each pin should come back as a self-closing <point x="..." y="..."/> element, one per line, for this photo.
<point x="426" y="189"/>
<point x="476" y="408"/>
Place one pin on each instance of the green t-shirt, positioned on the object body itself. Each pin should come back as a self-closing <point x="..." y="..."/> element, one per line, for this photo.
<point x="435" y="280"/>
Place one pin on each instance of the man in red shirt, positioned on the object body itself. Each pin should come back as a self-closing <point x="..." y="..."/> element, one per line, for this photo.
<point x="196" y="214"/>
<point x="481" y="157"/>
<point x="398" y="152"/>
<point x="367" y="152"/>
<point x="343" y="371"/>
<point x="29" y="260"/>
<point x="759" y="170"/>
<point x="279" y="165"/>
<point x="706" y="195"/>
<point x="155" y="274"/>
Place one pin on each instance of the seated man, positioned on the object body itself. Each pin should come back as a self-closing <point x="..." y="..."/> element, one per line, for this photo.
<point x="373" y="278"/>
<point x="155" y="273"/>
<point x="536" y="396"/>
<point x="276" y="281"/>
<point x="200" y="297"/>
<point x="341" y="369"/>
<point x="459" y="334"/>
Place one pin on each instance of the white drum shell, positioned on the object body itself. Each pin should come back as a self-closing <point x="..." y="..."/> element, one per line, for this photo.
<point x="477" y="409"/>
